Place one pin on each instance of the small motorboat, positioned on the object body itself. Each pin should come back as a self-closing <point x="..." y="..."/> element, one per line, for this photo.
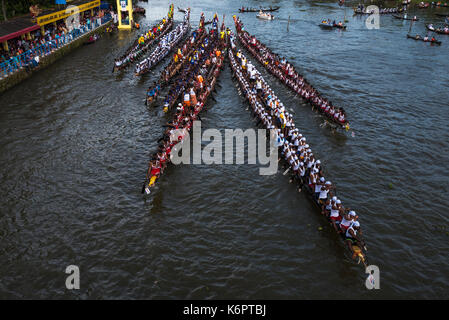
<point x="265" y="16"/>
<point x="92" y="39"/>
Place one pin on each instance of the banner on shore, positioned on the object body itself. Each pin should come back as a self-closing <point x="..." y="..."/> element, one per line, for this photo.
<point x="55" y="16"/>
<point x="124" y="5"/>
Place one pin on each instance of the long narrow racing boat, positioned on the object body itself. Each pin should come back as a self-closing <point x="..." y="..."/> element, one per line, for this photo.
<point x="185" y="116"/>
<point x="381" y="11"/>
<point x="414" y="18"/>
<point x="279" y="67"/>
<point x="141" y="45"/>
<point x="272" y="115"/>
<point x="164" y="47"/>
<point x="269" y="9"/>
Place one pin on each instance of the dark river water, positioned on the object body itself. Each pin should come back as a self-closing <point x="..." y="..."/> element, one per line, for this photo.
<point x="75" y="141"/>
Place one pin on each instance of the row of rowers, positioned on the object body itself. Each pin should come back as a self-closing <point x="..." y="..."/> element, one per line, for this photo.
<point x="135" y="51"/>
<point x="151" y="33"/>
<point x="186" y="112"/>
<point x="182" y="82"/>
<point x="173" y="68"/>
<point x="307" y="170"/>
<point x="167" y="43"/>
<point x="286" y="72"/>
<point x="308" y="93"/>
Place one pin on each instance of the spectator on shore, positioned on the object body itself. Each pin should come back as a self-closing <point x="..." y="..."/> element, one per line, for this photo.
<point x="46" y="43"/>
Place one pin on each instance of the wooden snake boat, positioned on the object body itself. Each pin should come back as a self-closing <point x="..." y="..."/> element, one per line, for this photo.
<point x="359" y="252"/>
<point x="211" y="75"/>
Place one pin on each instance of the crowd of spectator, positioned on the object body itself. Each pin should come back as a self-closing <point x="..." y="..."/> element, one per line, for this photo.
<point x="25" y="53"/>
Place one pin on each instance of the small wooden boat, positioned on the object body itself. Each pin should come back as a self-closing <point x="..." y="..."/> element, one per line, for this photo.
<point x="92" y="39"/>
<point x="405" y="17"/>
<point x="265" y="16"/>
<point x="332" y="26"/>
<point x="419" y="38"/>
<point x="437" y="30"/>
<point x="269" y="9"/>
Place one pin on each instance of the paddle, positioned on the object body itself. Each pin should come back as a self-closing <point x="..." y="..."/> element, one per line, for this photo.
<point x="144" y="183"/>
<point x="411" y="24"/>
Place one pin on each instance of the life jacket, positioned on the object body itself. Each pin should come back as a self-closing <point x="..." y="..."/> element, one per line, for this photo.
<point x="155" y="171"/>
<point x="187" y="99"/>
<point x="193" y="97"/>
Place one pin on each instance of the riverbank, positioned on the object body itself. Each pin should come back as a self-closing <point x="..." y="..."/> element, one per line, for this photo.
<point x="19" y="76"/>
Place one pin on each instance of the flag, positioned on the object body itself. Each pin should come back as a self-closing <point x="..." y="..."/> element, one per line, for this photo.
<point x="60" y="2"/>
